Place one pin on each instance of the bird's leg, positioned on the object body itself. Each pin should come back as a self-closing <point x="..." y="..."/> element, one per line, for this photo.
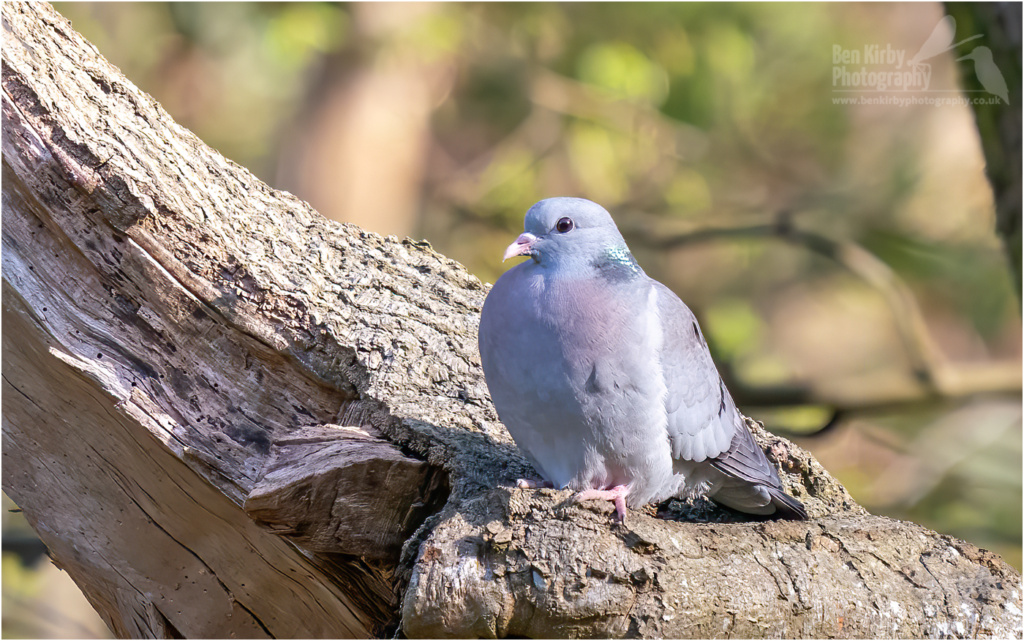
<point x="617" y="495"/>
<point x="529" y="484"/>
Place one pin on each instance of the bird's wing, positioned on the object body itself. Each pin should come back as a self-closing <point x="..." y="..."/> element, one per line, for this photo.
<point x="701" y="416"/>
<point x="703" y="421"/>
<point x="746" y="461"/>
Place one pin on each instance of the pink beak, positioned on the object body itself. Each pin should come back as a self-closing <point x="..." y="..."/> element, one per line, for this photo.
<point x="522" y="246"/>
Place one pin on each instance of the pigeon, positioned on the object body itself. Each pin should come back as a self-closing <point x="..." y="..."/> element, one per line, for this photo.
<point x="604" y="380"/>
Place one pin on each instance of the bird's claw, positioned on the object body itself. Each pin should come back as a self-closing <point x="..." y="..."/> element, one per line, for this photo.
<point x="617" y="495"/>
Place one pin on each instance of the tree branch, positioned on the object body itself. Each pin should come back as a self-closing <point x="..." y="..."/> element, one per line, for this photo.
<point x="180" y="339"/>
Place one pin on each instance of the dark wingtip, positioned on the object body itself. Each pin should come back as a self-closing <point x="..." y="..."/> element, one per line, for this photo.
<point x="787" y="507"/>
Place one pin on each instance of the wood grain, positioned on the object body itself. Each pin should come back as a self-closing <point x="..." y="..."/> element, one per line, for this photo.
<point x="183" y="342"/>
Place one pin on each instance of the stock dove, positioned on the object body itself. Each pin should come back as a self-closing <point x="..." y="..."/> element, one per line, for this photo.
<point x="604" y="380"/>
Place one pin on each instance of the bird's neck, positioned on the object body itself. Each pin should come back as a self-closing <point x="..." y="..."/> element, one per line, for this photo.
<point x="616" y="264"/>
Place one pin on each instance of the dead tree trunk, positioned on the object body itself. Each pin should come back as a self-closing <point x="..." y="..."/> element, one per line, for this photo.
<point x="228" y="416"/>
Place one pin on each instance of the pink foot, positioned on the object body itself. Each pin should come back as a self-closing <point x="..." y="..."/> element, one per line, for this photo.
<point x="527" y="484"/>
<point x="617" y="495"/>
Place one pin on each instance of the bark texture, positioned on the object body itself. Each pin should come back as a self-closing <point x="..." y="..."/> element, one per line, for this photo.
<point x="228" y="416"/>
<point x="341" y="490"/>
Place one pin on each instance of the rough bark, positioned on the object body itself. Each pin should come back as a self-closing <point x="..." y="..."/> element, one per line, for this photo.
<point x="204" y="381"/>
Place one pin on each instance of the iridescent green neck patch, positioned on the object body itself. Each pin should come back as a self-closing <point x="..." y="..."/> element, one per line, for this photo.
<point x="617" y="264"/>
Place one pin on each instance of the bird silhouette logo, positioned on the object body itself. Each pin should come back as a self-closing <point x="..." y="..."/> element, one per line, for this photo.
<point x="988" y="73"/>
<point x="941" y="41"/>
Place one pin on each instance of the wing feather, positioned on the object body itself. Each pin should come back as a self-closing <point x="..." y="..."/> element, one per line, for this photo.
<point x="698" y="426"/>
<point x="703" y="422"/>
<point x="745" y="460"/>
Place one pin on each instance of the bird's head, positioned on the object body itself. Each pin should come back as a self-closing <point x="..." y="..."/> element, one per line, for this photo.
<point x="572" y="232"/>
<point x="979" y="55"/>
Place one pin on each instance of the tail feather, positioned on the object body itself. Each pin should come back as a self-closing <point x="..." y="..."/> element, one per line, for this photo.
<point x="758" y="499"/>
<point x="787" y="507"/>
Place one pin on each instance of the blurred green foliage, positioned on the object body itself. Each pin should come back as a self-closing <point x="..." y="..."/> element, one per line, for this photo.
<point x="676" y="117"/>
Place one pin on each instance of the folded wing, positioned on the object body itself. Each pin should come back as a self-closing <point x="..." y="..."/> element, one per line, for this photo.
<point x="704" y="424"/>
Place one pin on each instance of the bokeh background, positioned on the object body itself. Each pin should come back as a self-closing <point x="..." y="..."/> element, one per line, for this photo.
<point x="707" y="130"/>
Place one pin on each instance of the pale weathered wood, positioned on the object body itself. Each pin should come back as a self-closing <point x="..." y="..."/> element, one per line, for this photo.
<point x="156" y="549"/>
<point x="343" y="490"/>
<point x="174" y="330"/>
<point x="139" y="406"/>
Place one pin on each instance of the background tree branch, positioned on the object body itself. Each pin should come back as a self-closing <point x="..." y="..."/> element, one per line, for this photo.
<point x="207" y="386"/>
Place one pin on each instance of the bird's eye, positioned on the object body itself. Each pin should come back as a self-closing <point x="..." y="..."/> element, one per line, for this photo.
<point x="564" y="225"/>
